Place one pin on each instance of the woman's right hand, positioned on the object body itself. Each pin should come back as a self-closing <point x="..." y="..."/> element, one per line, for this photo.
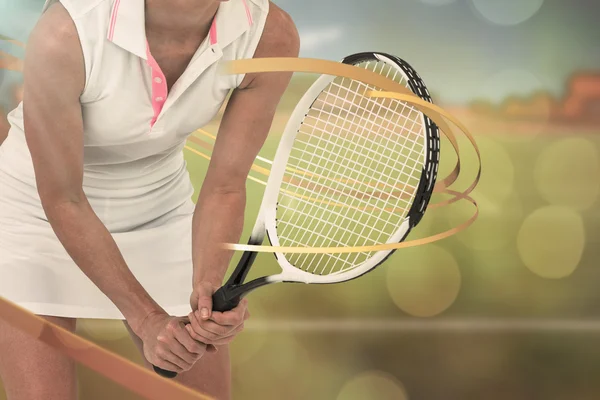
<point x="168" y="344"/>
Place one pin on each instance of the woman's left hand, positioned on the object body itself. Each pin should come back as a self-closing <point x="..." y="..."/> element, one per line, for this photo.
<point x="213" y="327"/>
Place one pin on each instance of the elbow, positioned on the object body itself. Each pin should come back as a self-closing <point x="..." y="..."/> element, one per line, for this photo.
<point x="225" y="184"/>
<point x="222" y="197"/>
<point x="228" y="190"/>
<point x="224" y="191"/>
<point x="57" y="202"/>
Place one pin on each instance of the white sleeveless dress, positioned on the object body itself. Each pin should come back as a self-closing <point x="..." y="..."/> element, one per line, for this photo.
<point x="135" y="175"/>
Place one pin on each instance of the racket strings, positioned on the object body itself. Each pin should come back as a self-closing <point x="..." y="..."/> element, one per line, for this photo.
<point x="359" y="193"/>
<point x="337" y="117"/>
<point x="347" y="145"/>
<point x="410" y="116"/>
<point x="370" y="111"/>
<point x="385" y="154"/>
<point x="358" y="190"/>
<point x="411" y="152"/>
<point x="363" y="226"/>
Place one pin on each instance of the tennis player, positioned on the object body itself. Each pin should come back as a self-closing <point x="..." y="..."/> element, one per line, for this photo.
<point x="96" y="216"/>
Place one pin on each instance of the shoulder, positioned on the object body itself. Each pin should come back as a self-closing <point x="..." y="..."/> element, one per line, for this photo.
<point x="53" y="46"/>
<point x="55" y="34"/>
<point x="280" y="36"/>
<point x="80" y="8"/>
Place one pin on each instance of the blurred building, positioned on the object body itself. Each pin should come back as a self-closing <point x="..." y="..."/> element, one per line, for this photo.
<point x="582" y="101"/>
<point x="580" y="104"/>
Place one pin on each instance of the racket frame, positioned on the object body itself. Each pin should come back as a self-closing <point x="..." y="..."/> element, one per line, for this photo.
<point x="266" y="222"/>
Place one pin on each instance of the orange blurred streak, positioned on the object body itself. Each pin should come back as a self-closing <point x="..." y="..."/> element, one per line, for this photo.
<point x="10" y="62"/>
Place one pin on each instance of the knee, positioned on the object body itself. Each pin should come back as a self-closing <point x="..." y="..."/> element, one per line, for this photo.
<point x="211" y="375"/>
<point x="30" y="369"/>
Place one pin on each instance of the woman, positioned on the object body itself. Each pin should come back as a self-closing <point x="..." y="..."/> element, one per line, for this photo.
<point x="96" y="219"/>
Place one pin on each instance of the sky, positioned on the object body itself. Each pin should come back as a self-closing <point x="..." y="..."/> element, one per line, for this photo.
<point x="463" y="49"/>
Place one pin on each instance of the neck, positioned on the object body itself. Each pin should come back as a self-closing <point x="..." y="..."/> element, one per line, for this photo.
<point x="180" y="17"/>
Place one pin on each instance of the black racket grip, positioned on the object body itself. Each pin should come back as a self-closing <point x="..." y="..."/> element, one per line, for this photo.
<point x="164" y="373"/>
<point x="221" y="302"/>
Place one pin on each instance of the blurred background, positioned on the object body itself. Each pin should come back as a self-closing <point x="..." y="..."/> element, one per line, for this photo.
<point x="510" y="308"/>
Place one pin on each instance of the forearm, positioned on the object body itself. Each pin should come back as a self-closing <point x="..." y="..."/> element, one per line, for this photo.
<point x="93" y="249"/>
<point x="218" y="219"/>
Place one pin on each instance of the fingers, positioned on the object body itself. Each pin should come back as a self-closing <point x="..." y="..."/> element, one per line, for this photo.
<point x="229" y="318"/>
<point x="198" y="332"/>
<point x="212" y="339"/>
<point x="209" y="332"/>
<point x="169" y="360"/>
<point x="210" y="329"/>
<point x="232" y="318"/>
<point x="213" y="327"/>
<point x="204" y="292"/>
<point x="193" y="347"/>
<point x="177" y="348"/>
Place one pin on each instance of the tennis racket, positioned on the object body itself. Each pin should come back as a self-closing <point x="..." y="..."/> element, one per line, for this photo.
<point x="350" y="170"/>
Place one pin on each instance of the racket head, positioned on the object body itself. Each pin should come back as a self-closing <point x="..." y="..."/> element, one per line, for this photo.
<point x="343" y="158"/>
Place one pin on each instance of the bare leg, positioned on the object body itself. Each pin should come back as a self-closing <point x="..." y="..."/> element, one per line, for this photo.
<point x="211" y="375"/>
<point x="32" y="370"/>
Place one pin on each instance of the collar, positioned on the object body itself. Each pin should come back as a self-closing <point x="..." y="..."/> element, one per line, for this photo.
<point x="127" y="25"/>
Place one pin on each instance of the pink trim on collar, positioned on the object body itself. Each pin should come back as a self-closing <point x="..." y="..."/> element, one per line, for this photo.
<point x="160" y="89"/>
<point x="113" y="20"/>
<point x="248" y="13"/>
<point x="213" y="32"/>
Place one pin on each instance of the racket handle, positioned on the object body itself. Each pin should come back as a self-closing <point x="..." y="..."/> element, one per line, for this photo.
<point x="223" y="300"/>
<point x="164" y="373"/>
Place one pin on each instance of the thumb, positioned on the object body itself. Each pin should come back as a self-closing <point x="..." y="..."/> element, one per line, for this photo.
<point x="204" y="293"/>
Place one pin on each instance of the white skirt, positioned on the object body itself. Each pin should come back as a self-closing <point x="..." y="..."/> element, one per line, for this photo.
<point x="37" y="274"/>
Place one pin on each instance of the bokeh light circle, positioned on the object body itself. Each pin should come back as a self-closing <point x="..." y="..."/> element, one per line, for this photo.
<point x="551" y="241"/>
<point x="373" y="385"/>
<point x="425" y="281"/>
<point x="567" y="173"/>
<point x="496" y="226"/>
<point x="497" y="181"/>
<point x="507" y="12"/>
<point x="103" y="329"/>
<point x="500" y="210"/>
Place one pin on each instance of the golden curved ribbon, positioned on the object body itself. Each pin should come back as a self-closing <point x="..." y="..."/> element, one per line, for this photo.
<point x="392" y="90"/>
<point x="12" y="41"/>
<point x="364" y="249"/>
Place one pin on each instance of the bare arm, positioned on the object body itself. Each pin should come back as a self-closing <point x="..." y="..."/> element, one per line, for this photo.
<point x="54" y="78"/>
<point x="219" y="214"/>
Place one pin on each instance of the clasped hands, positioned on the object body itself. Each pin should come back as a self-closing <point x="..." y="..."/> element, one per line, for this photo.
<point x="177" y="343"/>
